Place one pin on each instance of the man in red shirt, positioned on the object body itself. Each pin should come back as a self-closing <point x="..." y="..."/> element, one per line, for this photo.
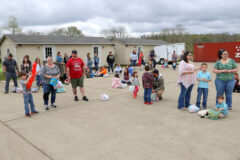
<point x="75" y="72"/>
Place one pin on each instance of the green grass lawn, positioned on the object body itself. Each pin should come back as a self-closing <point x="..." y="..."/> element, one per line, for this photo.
<point x="2" y="76"/>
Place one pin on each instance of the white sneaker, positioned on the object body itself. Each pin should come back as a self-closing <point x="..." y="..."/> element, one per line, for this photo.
<point x="46" y="107"/>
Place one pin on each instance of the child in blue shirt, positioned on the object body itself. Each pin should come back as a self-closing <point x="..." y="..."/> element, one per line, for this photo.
<point x="204" y="78"/>
<point x="222" y="106"/>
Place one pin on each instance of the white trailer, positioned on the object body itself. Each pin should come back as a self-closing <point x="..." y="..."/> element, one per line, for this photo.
<point x="164" y="52"/>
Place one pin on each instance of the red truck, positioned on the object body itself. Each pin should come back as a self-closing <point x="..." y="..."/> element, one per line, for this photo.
<point x="208" y="52"/>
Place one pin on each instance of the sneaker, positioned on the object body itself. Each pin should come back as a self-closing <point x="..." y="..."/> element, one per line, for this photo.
<point x="35" y="112"/>
<point x="150" y="103"/>
<point x="145" y="102"/>
<point x="6" y="92"/>
<point x="76" y="98"/>
<point x="28" y="115"/>
<point x="229" y="108"/>
<point x="46" y="107"/>
<point x="53" y="105"/>
<point x="85" y="98"/>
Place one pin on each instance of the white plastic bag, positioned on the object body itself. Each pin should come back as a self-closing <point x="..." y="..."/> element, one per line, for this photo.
<point x="19" y="90"/>
<point x="14" y="89"/>
<point x="154" y="97"/>
<point x="104" y="97"/>
<point x="59" y="84"/>
<point x="193" y="109"/>
<point x="105" y="75"/>
<point x="131" y="88"/>
<point x="34" y="90"/>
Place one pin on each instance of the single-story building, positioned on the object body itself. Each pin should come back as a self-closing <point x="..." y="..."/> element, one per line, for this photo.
<point x="124" y="47"/>
<point x="43" y="46"/>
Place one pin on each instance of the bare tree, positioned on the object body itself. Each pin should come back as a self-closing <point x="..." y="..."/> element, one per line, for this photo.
<point x="69" y="31"/>
<point x="74" y="31"/>
<point x="115" y="32"/>
<point x="180" y="30"/>
<point x="13" y="25"/>
<point x="58" y="32"/>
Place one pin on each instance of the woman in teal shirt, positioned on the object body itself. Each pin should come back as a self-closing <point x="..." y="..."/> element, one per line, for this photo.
<point x="224" y="69"/>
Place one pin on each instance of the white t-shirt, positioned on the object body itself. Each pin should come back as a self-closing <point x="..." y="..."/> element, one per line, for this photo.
<point x="38" y="69"/>
<point x="133" y="56"/>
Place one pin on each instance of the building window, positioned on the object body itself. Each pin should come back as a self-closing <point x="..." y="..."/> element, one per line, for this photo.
<point x="8" y="51"/>
<point x="48" y="52"/>
<point x="96" y="50"/>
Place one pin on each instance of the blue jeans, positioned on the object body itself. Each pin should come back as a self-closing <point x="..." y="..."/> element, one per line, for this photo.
<point x="133" y="63"/>
<point x="147" y="94"/>
<point x="90" y="68"/>
<point x="96" y="66"/>
<point x="47" y="89"/>
<point x="28" y="99"/>
<point x="185" y="96"/>
<point x="225" y="87"/>
<point x="8" y="77"/>
<point x="110" y="66"/>
<point x="201" y="91"/>
<point x="154" y="63"/>
<point x="38" y="80"/>
<point x="126" y="82"/>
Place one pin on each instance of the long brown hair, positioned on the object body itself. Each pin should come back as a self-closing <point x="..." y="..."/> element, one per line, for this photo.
<point x="88" y="56"/>
<point x="36" y="59"/>
<point x="28" y="61"/>
<point x="135" y="72"/>
<point x="126" y="69"/>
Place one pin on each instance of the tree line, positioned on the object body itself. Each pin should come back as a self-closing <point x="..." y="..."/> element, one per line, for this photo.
<point x="14" y="28"/>
<point x="178" y="34"/>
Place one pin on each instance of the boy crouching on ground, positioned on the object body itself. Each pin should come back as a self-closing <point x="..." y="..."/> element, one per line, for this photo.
<point x="222" y="106"/>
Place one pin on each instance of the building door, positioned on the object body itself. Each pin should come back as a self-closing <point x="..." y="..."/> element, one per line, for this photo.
<point x="139" y="49"/>
<point x="97" y="50"/>
<point x="49" y="51"/>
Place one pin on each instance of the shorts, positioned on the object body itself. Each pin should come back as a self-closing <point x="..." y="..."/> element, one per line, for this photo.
<point x="77" y="82"/>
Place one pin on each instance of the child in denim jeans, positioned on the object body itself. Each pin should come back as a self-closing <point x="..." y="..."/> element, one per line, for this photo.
<point x="27" y="95"/>
<point x="203" y="77"/>
<point x="147" y="82"/>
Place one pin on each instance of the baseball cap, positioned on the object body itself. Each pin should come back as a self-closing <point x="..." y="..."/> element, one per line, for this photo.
<point x="10" y="55"/>
<point x="74" y="51"/>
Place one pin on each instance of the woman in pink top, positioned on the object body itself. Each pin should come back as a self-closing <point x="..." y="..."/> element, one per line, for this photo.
<point x="186" y="80"/>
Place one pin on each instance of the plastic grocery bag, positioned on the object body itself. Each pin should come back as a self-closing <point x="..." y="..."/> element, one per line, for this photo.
<point x="19" y="90"/>
<point x="60" y="90"/>
<point x="154" y="97"/>
<point x="193" y="109"/>
<point x="34" y="90"/>
<point x="104" y="97"/>
<point x="131" y="88"/>
<point x="59" y="84"/>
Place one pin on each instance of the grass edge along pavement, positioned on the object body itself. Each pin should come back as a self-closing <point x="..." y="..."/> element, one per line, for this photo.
<point x="2" y="75"/>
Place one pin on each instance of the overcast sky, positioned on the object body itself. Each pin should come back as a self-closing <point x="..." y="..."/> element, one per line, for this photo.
<point x="138" y="16"/>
